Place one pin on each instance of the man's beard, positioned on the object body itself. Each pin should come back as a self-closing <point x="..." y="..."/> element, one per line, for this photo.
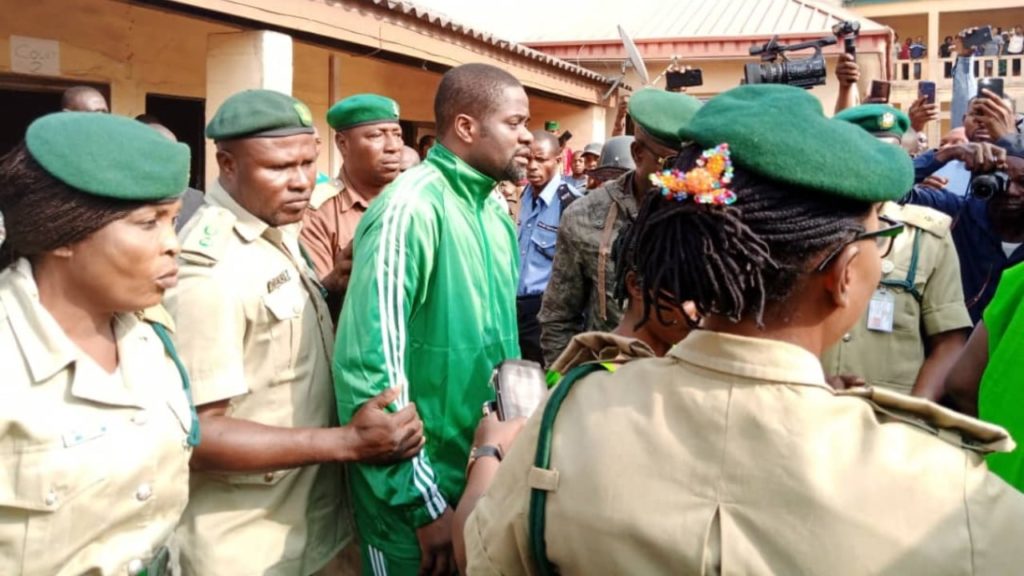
<point x="513" y="171"/>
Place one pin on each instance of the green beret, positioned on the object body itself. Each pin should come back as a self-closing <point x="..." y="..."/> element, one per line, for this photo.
<point x="781" y="133"/>
<point x="109" y="156"/>
<point x="362" y="109"/>
<point x="878" y="119"/>
<point x="550" y="125"/>
<point x="259" y="114"/>
<point x="661" y="114"/>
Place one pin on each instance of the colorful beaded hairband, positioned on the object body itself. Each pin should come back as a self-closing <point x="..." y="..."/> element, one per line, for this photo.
<point x="707" y="183"/>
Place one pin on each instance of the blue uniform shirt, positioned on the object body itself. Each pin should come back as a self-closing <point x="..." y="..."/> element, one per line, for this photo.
<point x="982" y="259"/>
<point x="538" y="230"/>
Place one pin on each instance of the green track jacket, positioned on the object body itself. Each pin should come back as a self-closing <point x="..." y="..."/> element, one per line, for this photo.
<point x="431" y="307"/>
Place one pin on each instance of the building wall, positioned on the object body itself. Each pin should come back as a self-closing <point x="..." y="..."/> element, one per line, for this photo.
<point x="136" y="50"/>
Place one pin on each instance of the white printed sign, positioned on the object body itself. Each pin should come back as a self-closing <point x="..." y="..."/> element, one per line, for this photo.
<point x="35" y="56"/>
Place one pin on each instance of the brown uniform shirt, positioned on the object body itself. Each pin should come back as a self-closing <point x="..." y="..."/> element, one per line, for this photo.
<point x="93" y="466"/>
<point x="330" y="223"/>
<point x="732" y="455"/>
<point x="893" y="358"/>
<point x="253" y="328"/>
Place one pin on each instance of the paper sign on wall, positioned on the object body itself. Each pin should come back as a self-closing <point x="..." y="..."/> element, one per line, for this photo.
<point x="35" y="56"/>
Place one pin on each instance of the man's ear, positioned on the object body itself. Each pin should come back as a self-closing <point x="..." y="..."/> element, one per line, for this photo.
<point x="634" y="151"/>
<point x="341" y="141"/>
<point x="841" y="276"/>
<point x="227" y="162"/>
<point x="465" y="128"/>
<point x="633" y="287"/>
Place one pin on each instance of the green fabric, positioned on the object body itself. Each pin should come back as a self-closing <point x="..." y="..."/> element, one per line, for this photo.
<point x="551" y="125"/>
<point x="780" y="132"/>
<point x="1001" y="396"/>
<point x="259" y="114"/>
<point x="362" y="109"/>
<point x="661" y="113"/>
<point x="109" y="156"/>
<point x="430" y="307"/>
<point x="878" y="119"/>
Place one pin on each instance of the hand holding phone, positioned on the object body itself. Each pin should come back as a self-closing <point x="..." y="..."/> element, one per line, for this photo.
<point x="926" y="90"/>
<point x="972" y="38"/>
<point x="520" y="386"/>
<point x="994" y="85"/>
<point x="879" y="93"/>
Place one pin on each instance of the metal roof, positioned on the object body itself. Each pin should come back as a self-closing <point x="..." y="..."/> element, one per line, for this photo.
<point x="694" y="19"/>
<point x="446" y="23"/>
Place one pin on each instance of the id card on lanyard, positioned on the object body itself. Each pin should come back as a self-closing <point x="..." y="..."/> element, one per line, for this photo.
<point x="881" y="311"/>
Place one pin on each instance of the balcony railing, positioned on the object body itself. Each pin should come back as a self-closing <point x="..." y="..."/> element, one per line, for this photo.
<point x="1009" y="67"/>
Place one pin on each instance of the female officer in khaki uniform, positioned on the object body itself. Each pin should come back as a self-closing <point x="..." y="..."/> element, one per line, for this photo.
<point x="96" y="426"/>
<point x="732" y="455"/>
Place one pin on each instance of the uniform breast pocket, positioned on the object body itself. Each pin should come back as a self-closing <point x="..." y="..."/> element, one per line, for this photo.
<point x="44" y="492"/>
<point x="543" y="239"/>
<point x="285" y="306"/>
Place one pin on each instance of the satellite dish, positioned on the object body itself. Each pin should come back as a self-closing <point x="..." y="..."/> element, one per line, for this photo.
<point x="634" y="59"/>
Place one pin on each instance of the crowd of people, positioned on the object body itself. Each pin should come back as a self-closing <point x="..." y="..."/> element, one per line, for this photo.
<point x="768" y="334"/>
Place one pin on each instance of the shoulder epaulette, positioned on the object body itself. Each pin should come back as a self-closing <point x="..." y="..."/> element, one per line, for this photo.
<point x="950" y="426"/>
<point x="156" y="315"/>
<point x="205" y="238"/>
<point x="923" y="217"/>
<point x="322" y="193"/>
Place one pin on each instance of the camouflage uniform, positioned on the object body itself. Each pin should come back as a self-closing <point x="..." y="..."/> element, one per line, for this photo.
<point x="575" y="299"/>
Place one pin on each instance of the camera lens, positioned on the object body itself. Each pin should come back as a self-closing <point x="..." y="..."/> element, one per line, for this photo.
<point x="985" y="186"/>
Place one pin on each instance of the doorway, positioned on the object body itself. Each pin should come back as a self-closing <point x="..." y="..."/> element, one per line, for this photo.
<point x="24" y="98"/>
<point x="186" y="117"/>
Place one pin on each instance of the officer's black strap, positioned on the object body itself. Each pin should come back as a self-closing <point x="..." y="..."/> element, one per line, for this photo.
<point x="907" y="284"/>
<point x="565" y="197"/>
<point x="542" y="460"/>
<point x="165" y="338"/>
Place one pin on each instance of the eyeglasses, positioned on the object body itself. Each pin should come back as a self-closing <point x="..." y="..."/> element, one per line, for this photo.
<point x="883" y="237"/>
<point x="666" y="162"/>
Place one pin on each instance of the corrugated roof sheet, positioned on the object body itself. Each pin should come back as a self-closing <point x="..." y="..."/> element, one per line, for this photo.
<point x="694" y="19"/>
<point x="446" y="23"/>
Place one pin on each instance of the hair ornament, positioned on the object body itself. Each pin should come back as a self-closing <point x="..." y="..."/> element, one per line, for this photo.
<point x="708" y="182"/>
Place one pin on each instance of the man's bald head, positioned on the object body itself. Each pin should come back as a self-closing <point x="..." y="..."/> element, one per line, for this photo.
<point x="84" y="99"/>
<point x="954" y="137"/>
<point x="410" y="158"/>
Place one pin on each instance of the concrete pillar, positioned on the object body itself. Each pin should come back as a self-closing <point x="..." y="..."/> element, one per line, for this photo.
<point x="598" y="124"/>
<point x="335" y="94"/>
<point x="241" y="61"/>
<point x="935" y="70"/>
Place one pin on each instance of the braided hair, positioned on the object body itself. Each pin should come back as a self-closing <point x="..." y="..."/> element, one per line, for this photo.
<point x="42" y="213"/>
<point x="735" y="260"/>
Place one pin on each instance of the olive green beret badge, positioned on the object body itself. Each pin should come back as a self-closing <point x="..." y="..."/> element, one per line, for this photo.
<point x="305" y="116"/>
<point x="888" y="120"/>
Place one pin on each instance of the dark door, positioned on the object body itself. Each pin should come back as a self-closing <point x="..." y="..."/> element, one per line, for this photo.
<point x="24" y="98"/>
<point x="185" y="117"/>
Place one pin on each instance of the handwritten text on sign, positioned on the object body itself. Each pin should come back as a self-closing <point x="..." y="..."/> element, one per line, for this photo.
<point x="35" y="56"/>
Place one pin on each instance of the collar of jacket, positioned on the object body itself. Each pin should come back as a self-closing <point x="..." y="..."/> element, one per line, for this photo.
<point x="466" y="181"/>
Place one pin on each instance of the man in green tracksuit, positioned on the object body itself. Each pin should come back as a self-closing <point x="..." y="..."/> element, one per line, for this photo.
<point x="431" y="308"/>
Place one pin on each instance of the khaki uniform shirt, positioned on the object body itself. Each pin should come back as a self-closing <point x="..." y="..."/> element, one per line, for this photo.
<point x="600" y="347"/>
<point x="732" y="455"/>
<point x="581" y="292"/>
<point x="893" y="359"/>
<point x="93" y="466"/>
<point x="253" y="328"/>
<point x="330" y="223"/>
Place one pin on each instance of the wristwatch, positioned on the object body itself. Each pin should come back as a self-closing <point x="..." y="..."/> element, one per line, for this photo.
<point x="487" y="450"/>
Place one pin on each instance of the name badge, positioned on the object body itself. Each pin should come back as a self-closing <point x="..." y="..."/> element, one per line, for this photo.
<point x="881" y="311"/>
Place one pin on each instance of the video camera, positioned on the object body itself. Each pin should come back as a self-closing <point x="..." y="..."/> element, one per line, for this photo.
<point x="848" y="30"/>
<point x="804" y="73"/>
